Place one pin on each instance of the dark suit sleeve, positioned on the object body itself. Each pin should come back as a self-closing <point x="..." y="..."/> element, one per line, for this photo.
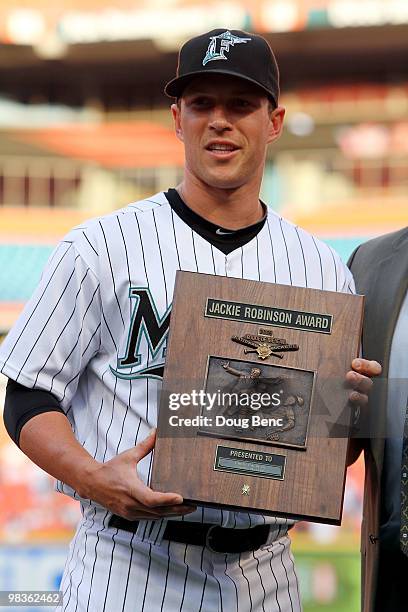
<point x="352" y="256"/>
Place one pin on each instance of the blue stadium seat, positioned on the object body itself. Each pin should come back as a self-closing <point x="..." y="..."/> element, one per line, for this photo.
<point x="20" y="270"/>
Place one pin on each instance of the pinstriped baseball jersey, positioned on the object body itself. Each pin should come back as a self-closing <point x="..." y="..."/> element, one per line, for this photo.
<point x="94" y="334"/>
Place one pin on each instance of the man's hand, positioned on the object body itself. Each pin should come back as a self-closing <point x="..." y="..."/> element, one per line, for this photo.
<point x="359" y="379"/>
<point x="117" y="486"/>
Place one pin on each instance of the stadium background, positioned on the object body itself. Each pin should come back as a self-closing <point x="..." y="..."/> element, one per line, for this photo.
<point x="85" y="128"/>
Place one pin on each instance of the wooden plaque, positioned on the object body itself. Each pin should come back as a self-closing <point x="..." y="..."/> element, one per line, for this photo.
<point x="254" y="412"/>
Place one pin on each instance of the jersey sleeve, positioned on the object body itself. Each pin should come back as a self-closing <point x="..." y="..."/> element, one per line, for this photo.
<point x="58" y="331"/>
<point x="348" y="282"/>
<point x="344" y="278"/>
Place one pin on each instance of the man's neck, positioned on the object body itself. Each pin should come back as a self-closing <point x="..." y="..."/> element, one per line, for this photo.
<point x="228" y="208"/>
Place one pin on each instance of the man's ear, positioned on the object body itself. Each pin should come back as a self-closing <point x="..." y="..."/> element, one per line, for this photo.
<point x="176" y="111"/>
<point x="276" y="123"/>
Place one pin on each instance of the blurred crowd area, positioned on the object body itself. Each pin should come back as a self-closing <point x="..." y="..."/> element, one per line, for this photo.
<point x="86" y="129"/>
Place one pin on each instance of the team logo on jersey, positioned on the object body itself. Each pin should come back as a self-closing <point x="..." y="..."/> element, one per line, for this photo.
<point x="221" y="44"/>
<point x="146" y="343"/>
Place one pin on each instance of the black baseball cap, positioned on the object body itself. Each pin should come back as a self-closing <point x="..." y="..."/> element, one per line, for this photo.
<point x="230" y="52"/>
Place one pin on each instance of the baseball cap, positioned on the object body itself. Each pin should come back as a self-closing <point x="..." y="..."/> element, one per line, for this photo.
<point x="230" y="52"/>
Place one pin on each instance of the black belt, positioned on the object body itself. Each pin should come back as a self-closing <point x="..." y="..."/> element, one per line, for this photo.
<point x="217" y="539"/>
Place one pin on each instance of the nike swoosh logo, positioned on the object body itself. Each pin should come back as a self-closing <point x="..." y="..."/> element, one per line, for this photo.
<point x="221" y="233"/>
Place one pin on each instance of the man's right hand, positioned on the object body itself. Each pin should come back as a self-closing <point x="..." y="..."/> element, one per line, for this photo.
<point x="117" y="486"/>
<point x="49" y="441"/>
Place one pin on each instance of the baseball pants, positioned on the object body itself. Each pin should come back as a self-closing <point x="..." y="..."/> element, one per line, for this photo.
<point x="110" y="570"/>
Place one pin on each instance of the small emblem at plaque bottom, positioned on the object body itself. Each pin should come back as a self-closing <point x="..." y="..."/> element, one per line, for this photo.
<point x="245" y="489"/>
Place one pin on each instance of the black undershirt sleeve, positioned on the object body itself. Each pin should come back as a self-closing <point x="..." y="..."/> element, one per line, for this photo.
<point x="22" y="404"/>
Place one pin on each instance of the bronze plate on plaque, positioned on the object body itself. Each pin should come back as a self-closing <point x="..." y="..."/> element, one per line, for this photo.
<point x="261" y="403"/>
<point x="254" y="463"/>
<point x="254" y="412"/>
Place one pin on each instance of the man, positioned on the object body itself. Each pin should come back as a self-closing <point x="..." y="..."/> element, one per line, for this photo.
<point x="380" y="268"/>
<point x="86" y="357"/>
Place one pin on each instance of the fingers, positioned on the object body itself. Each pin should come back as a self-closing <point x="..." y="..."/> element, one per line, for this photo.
<point x="151" y="499"/>
<point x="141" y="492"/>
<point x="175" y="510"/>
<point x="359" y="382"/>
<point x="133" y="514"/>
<point x="166" y="511"/>
<point x="359" y="379"/>
<point x="361" y="386"/>
<point x="366" y="367"/>
<point x="121" y="488"/>
<point x="144" y="447"/>
<point x="358" y="399"/>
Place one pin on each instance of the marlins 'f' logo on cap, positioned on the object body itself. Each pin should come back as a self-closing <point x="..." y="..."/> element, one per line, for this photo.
<point x="221" y="43"/>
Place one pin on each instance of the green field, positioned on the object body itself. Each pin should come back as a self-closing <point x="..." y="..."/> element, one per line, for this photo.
<point x="329" y="580"/>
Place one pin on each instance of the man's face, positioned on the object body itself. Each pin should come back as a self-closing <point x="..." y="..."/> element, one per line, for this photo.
<point x="225" y="124"/>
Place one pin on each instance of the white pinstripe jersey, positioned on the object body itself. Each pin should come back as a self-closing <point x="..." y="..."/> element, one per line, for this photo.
<point x="82" y="335"/>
